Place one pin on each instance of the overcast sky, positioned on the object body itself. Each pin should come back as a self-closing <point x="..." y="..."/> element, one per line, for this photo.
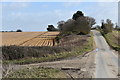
<point x="35" y="16"/>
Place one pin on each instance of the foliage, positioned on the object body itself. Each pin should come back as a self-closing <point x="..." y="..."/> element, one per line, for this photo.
<point x="19" y="52"/>
<point x="69" y="26"/>
<point x="107" y="27"/>
<point x="18" y="30"/>
<point x="77" y="15"/>
<point x="82" y="26"/>
<point x="51" y="28"/>
<point x="91" y="20"/>
<point x="117" y="27"/>
<point x="60" y="25"/>
<point x="79" y="24"/>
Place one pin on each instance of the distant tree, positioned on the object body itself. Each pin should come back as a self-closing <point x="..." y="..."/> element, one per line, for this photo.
<point x="117" y="27"/>
<point x="60" y="25"/>
<point x="91" y="20"/>
<point x="97" y="27"/>
<point x="18" y="30"/>
<point x="51" y="28"/>
<point x="108" y="26"/>
<point x="11" y="31"/>
<point x="102" y="25"/>
<point x="77" y="15"/>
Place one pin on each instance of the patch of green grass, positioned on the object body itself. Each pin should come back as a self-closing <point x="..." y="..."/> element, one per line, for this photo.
<point x="112" y="39"/>
<point x="37" y="72"/>
<point x="52" y="57"/>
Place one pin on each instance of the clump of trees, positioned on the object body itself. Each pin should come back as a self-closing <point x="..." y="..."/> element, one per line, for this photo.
<point x="107" y="26"/>
<point x="51" y="28"/>
<point x="79" y="24"/>
<point x="18" y="30"/>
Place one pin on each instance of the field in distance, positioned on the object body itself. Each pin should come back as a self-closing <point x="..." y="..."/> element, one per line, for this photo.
<point x="28" y="38"/>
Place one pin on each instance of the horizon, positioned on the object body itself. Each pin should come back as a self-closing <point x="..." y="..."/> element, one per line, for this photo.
<point x="36" y="16"/>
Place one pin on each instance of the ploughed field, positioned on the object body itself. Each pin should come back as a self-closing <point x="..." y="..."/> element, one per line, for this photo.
<point x="29" y="38"/>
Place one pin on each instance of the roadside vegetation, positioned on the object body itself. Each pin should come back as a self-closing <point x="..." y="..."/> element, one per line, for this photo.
<point x="110" y="33"/>
<point x="37" y="72"/>
<point x="113" y="39"/>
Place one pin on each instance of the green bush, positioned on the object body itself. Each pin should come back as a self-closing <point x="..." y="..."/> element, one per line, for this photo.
<point x="19" y="52"/>
<point x="107" y="27"/>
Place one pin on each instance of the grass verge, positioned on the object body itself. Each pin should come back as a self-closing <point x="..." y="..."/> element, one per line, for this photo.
<point x="113" y="39"/>
<point x="37" y="72"/>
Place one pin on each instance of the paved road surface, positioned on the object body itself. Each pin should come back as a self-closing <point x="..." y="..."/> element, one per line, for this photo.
<point x="106" y="60"/>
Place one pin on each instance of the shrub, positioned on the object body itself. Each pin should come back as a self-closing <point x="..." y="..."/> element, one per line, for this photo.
<point x="107" y="27"/>
<point x="19" y="30"/>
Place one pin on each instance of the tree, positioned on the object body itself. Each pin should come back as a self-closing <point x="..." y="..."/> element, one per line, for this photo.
<point x="117" y="27"/>
<point x="108" y="26"/>
<point x="18" y="30"/>
<point x="78" y="24"/>
<point x="82" y="25"/>
<point x="51" y="28"/>
<point x="68" y="26"/>
<point x="97" y="27"/>
<point x="91" y="20"/>
<point x="60" y="25"/>
<point x="102" y="26"/>
<point x="77" y="15"/>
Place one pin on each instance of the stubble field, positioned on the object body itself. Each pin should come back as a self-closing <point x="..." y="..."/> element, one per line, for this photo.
<point x="28" y="38"/>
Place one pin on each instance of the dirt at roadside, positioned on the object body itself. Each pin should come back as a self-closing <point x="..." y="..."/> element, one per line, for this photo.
<point x="77" y="67"/>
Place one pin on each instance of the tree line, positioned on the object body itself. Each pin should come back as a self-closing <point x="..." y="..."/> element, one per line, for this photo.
<point x="107" y="26"/>
<point x="79" y="24"/>
<point x="18" y="30"/>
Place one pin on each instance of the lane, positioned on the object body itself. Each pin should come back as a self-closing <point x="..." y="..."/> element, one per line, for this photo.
<point x="106" y="60"/>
